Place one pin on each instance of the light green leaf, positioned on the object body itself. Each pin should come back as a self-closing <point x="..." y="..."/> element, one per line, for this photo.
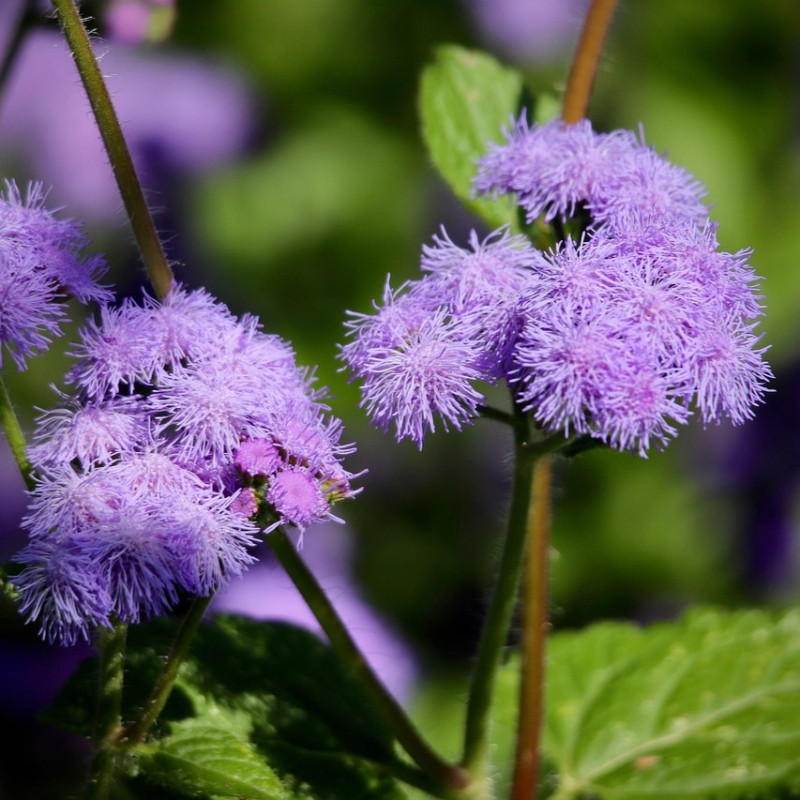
<point x="201" y="759"/>
<point x="466" y="100"/>
<point x="708" y="707"/>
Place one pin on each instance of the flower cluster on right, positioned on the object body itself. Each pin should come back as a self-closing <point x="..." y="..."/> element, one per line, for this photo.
<point x="620" y="332"/>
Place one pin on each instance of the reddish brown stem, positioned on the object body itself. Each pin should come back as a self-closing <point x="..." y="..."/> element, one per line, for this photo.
<point x="534" y="635"/>
<point x="584" y="63"/>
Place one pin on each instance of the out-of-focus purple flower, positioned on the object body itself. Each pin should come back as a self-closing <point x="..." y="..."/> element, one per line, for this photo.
<point x="137" y="21"/>
<point x="41" y="260"/>
<point x="266" y="593"/>
<point x="529" y="30"/>
<point x="178" y="115"/>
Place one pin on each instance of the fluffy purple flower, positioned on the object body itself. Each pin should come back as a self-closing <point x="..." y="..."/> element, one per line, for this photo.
<point x="258" y="457"/>
<point x="30" y="313"/>
<point x="152" y="492"/>
<point x="555" y="168"/>
<point x="624" y="334"/>
<point x="728" y="372"/>
<point x="429" y="373"/>
<point x="41" y="260"/>
<point x="420" y="354"/>
<point x="142" y="530"/>
<point x="299" y="498"/>
<point x="62" y="590"/>
<point x="95" y="433"/>
<point x="144" y="343"/>
<point x="479" y="287"/>
<point x="618" y="334"/>
<point x="395" y="320"/>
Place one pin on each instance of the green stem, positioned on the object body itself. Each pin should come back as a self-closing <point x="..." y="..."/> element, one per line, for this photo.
<point x="445" y="775"/>
<point x="534" y="636"/>
<point x="158" y="270"/>
<point x="497" y="414"/>
<point x="14" y="435"/>
<point x="501" y="606"/>
<point x="137" y="731"/>
<point x="111" y="646"/>
<point x="584" y="63"/>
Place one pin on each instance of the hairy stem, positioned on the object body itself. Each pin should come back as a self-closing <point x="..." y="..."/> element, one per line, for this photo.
<point x="158" y="271"/>
<point x="14" y="435"/>
<point x="501" y="606"/>
<point x="137" y="731"/>
<point x="111" y="646"/>
<point x="534" y="636"/>
<point x="445" y="775"/>
<point x="584" y="63"/>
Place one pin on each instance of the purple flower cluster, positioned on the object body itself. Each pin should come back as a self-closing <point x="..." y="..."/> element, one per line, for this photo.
<point x="189" y="429"/>
<point x="41" y="264"/>
<point x="618" y="333"/>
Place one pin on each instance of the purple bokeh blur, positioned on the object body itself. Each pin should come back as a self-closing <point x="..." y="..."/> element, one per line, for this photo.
<point x="178" y="114"/>
<point x="136" y="21"/>
<point x="265" y="592"/>
<point x="529" y="31"/>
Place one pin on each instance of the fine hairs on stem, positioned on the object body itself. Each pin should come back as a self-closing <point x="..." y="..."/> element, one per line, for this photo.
<point x="144" y="229"/>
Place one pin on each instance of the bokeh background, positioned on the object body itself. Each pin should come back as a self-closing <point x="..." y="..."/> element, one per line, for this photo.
<point x="279" y="145"/>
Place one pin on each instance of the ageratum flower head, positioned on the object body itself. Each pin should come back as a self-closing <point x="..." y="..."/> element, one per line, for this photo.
<point x="420" y="356"/>
<point x="188" y="430"/>
<point x="631" y="323"/>
<point x="41" y="264"/>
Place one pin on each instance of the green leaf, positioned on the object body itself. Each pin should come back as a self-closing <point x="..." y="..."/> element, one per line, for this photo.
<point x="466" y="100"/>
<point x="200" y="759"/>
<point x="259" y="710"/>
<point x="708" y="707"/>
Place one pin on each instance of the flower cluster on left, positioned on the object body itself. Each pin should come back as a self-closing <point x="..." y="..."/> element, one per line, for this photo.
<point x="186" y="431"/>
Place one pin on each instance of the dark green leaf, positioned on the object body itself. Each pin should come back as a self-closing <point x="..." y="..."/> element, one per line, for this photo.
<point x="466" y="100"/>
<point x="259" y="710"/>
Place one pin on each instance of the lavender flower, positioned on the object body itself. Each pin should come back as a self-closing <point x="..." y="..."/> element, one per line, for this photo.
<point x="90" y="434"/>
<point x="531" y="31"/>
<point x="188" y="424"/>
<point x="555" y="167"/>
<point x="299" y="498"/>
<point x="619" y="334"/>
<point x="420" y="355"/>
<point x="41" y="260"/>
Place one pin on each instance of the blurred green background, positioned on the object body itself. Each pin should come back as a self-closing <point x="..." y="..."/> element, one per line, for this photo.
<point x="335" y="191"/>
<point x="341" y="193"/>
